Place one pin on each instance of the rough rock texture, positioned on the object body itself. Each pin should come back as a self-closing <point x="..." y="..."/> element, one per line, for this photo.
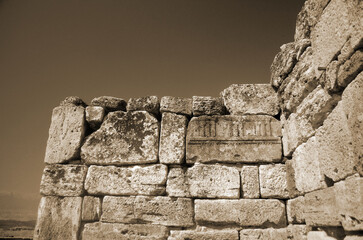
<point x="63" y="180"/>
<point x="172" y="138"/>
<point x="91" y="208"/>
<point x="94" y="116"/>
<point x="58" y="218"/>
<point x="242" y="99"/>
<point x="353" y="238"/>
<point x="110" y="103"/>
<point x="66" y="133"/>
<point x="111" y="180"/>
<point x="155" y="210"/>
<point x="319" y="235"/>
<point x="204" y="181"/>
<point x="329" y="80"/>
<point x="72" y="101"/>
<point x="290" y="178"/>
<point x="149" y="104"/>
<point x="264" y="234"/>
<point x="273" y="181"/>
<point x="251" y="138"/>
<point x="242" y="212"/>
<point x="250" y="182"/>
<point x="124" y="138"/>
<point x="176" y="105"/>
<point x="350" y="69"/>
<point x="117" y="231"/>
<point x="295" y="210"/>
<point x="203" y="235"/>
<point x="298" y="232"/>
<point x="207" y="106"/>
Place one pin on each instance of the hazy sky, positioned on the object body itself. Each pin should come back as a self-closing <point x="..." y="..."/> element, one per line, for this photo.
<point x="124" y="48"/>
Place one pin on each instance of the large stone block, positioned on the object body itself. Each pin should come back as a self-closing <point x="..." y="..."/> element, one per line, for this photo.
<point x="124" y="138"/>
<point x="273" y="181"/>
<point x="232" y="139"/>
<point x="204" y="181"/>
<point x="242" y="99"/>
<point x="63" y="180"/>
<point x="155" y="210"/>
<point x="350" y="69"/>
<point x="295" y="210"/>
<point x="207" y="106"/>
<point x="117" y="231"/>
<point x="91" y="208"/>
<point x="110" y="103"/>
<point x="250" y="182"/>
<point x="111" y="180"/>
<point x="172" y="138"/>
<point x="203" y="235"/>
<point x="243" y="212"/>
<point x="176" y="105"/>
<point x="58" y="218"/>
<point x="150" y="104"/>
<point x="66" y="134"/>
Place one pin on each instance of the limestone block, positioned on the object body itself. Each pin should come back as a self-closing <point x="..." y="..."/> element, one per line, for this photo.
<point x="350" y="69"/>
<point x="91" y="208"/>
<point x="250" y="182"/>
<point x="72" y="101"/>
<point x="295" y="210"/>
<point x="176" y="105"/>
<point x="63" y="180"/>
<point x="110" y="103"/>
<point x="273" y="181"/>
<point x="298" y="232"/>
<point x="149" y="104"/>
<point x="111" y="180"/>
<point x="290" y="176"/>
<point x="58" y="218"/>
<point x="233" y="139"/>
<point x="207" y="106"/>
<point x="154" y="210"/>
<point x="203" y="235"/>
<point x="66" y="134"/>
<point x="124" y="138"/>
<point x="172" y="138"/>
<point x="94" y="116"/>
<point x="330" y="81"/>
<point x="117" y="231"/>
<point x="353" y="238"/>
<point x="177" y="183"/>
<point x="242" y="99"/>
<point x="264" y="234"/>
<point x="319" y="235"/>
<point x="242" y="212"/>
<point x="350" y="46"/>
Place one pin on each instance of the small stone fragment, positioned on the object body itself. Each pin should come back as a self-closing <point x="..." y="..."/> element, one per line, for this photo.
<point x="94" y="116"/>
<point x="350" y="69"/>
<point x="273" y="181"/>
<point x="72" y="101"/>
<point x="295" y="210"/>
<point x="250" y="182"/>
<point x="176" y="105"/>
<point x="110" y="103"/>
<point x="203" y="235"/>
<point x="207" y="106"/>
<point x="149" y="104"/>
<point x="330" y="81"/>
<point x="91" y="208"/>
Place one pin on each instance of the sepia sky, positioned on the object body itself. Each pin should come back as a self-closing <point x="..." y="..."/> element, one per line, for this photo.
<point x="123" y="48"/>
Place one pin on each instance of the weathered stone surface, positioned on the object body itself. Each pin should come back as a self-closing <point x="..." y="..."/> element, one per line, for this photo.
<point x="124" y="138"/>
<point x="350" y="46"/>
<point x="295" y="210"/>
<point x="350" y="69"/>
<point x="91" y="208"/>
<point x="150" y="104"/>
<point x="353" y="238"/>
<point x="172" y="138"/>
<point x="155" y="210"/>
<point x="117" y="231"/>
<point x="110" y="103"/>
<point x="63" y="180"/>
<point x="251" y="138"/>
<point x="204" y="235"/>
<point x="111" y="180"/>
<point x="207" y="106"/>
<point x="273" y="181"/>
<point x="176" y="105"/>
<point x="290" y="176"/>
<point x="298" y="232"/>
<point x="58" y="218"/>
<point x="320" y="208"/>
<point x="250" y="99"/>
<point x="250" y="182"/>
<point x="319" y="235"/>
<point x="66" y="134"/>
<point x="204" y="181"/>
<point x="242" y="212"/>
<point x="264" y="234"/>
<point x="72" y="101"/>
<point x="94" y="116"/>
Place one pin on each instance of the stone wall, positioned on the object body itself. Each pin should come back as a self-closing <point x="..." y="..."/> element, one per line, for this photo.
<point x="258" y="162"/>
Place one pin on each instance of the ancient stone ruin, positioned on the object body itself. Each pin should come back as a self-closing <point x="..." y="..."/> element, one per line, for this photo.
<point x="279" y="161"/>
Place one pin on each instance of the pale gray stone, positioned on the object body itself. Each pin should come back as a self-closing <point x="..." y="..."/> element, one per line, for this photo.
<point x="63" y="180"/>
<point x="273" y="181"/>
<point x="294" y="232"/>
<point x="298" y="232"/>
<point x="58" y="218"/>
<point x="250" y="182"/>
<point x="66" y="134"/>
<point x="123" y="138"/>
<point x="91" y="208"/>
<point x="295" y="210"/>
<point x="172" y="138"/>
<point x="207" y="106"/>
<point x="350" y="69"/>
<point x="150" y="104"/>
<point x="242" y="212"/>
<point x="177" y="183"/>
<point x="319" y="235"/>
<point x="353" y="238"/>
<point x="110" y="103"/>
<point x="176" y="105"/>
<point x="242" y="99"/>
<point x="330" y="78"/>
<point x="154" y="210"/>
<point x="111" y="180"/>
<point x="350" y="46"/>
<point x="211" y="234"/>
<point x="72" y="101"/>
<point x="94" y="116"/>
<point x="290" y="176"/>
<point x="233" y="139"/>
<point x="117" y="231"/>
